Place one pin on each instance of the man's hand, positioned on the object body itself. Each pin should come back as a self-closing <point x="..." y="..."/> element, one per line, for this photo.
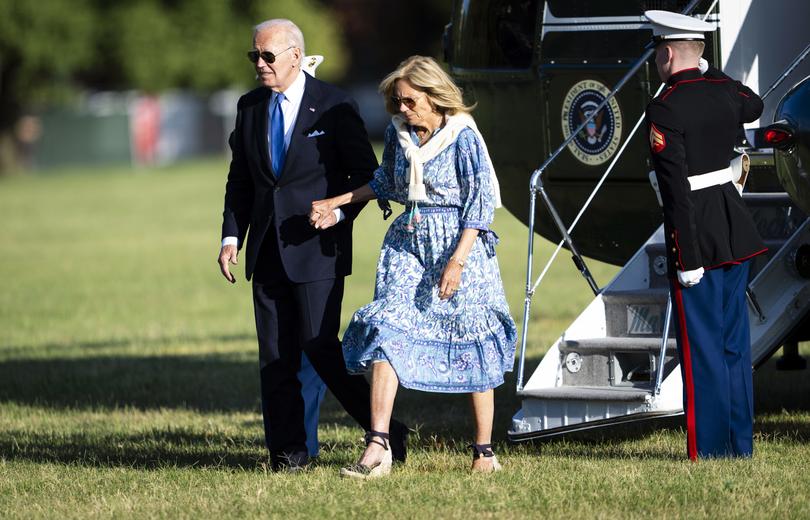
<point x="690" y="278"/>
<point x="451" y="280"/>
<point x="322" y="215"/>
<point x="228" y="255"/>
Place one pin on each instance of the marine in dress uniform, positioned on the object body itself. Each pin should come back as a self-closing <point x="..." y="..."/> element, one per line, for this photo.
<point x="710" y="235"/>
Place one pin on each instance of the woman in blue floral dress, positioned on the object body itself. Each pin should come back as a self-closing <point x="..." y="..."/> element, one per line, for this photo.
<point x="439" y="321"/>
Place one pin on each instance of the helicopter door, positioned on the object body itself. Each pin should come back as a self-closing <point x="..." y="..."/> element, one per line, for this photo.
<point x="585" y="49"/>
<point x="491" y="47"/>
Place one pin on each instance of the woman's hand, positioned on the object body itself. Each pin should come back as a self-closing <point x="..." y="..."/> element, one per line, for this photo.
<point x="451" y="279"/>
<point x="322" y="214"/>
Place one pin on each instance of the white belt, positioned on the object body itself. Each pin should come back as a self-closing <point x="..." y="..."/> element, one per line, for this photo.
<point x="715" y="178"/>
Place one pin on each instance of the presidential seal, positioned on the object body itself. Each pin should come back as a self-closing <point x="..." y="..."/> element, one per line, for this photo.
<point x="598" y="141"/>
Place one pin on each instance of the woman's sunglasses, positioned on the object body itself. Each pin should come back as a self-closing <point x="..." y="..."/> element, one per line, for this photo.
<point x="408" y="102"/>
<point x="267" y="56"/>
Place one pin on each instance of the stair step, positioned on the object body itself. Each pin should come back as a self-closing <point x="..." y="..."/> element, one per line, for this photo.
<point x="587" y="393"/>
<point x="654" y="295"/>
<point x="594" y="345"/>
<point x="635" y="313"/>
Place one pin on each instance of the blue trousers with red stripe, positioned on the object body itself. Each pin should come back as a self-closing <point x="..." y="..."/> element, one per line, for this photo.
<point x="714" y="347"/>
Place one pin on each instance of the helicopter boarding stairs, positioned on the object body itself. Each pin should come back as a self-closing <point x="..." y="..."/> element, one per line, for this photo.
<point x="617" y="362"/>
<point x="608" y="368"/>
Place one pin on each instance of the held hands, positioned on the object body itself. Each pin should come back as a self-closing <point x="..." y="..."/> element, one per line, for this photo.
<point x="451" y="278"/>
<point x="322" y="214"/>
<point x="227" y="255"/>
<point x="690" y="278"/>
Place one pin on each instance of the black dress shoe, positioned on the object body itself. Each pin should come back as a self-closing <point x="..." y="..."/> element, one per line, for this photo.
<point x="293" y="462"/>
<point x="399" y="441"/>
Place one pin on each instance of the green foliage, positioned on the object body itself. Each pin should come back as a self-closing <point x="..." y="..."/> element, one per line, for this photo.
<point x="201" y="44"/>
<point x="49" y="46"/>
<point x="50" y="49"/>
<point x="42" y="45"/>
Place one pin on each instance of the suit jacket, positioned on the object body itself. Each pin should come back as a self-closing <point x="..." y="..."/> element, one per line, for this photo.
<point x="693" y="126"/>
<point x="329" y="154"/>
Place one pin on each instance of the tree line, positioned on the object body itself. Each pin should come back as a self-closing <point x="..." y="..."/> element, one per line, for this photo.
<point x="51" y="49"/>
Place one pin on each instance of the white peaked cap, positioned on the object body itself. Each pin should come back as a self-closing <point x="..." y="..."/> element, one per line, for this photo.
<point x="674" y="26"/>
<point x="310" y="63"/>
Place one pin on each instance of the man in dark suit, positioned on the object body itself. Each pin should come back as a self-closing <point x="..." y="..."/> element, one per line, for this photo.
<point x="710" y="235"/>
<point x="296" y="139"/>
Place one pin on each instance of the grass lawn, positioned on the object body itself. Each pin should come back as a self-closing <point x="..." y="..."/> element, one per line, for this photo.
<point x="129" y="383"/>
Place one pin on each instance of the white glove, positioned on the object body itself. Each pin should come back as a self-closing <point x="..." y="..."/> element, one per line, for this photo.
<point x="690" y="278"/>
<point x="703" y="65"/>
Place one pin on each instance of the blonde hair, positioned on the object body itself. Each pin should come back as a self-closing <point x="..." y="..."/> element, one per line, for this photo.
<point x="424" y="74"/>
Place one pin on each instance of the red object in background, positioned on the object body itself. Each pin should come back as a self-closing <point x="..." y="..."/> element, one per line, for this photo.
<point x="145" y="128"/>
<point x="777" y="136"/>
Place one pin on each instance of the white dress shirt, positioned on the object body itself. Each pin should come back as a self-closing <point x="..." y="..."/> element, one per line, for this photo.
<point x="289" y="107"/>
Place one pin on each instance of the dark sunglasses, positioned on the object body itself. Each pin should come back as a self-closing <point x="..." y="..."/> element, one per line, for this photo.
<point x="267" y="56"/>
<point x="408" y="102"/>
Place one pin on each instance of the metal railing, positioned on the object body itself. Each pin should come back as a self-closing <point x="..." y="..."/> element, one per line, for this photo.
<point x="790" y="68"/>
<point x="536" y="186"/>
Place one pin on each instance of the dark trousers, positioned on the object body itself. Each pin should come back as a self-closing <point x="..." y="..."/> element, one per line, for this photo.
<point x="714" y="346"/>
<point x="291" y="318"/>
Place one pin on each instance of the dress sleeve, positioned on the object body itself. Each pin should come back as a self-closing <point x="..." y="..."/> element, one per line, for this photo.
<point x="383" y="182"/>
<point x="474" y="181"/>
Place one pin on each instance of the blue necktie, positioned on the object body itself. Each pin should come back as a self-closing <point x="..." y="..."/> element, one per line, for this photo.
<point x="277" y="151"/>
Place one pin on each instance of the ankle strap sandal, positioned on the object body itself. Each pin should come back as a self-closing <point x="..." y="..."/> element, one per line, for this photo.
<point x="484" y="451"/>
<point x="481" y="450"/>
<point x="380" y="468"/>
<point x="369" y="438"/>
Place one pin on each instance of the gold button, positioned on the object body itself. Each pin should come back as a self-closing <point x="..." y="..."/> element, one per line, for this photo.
<point x="672" y="235"/>
<point x="674" y="250"/>
<point x="677" y="264"/>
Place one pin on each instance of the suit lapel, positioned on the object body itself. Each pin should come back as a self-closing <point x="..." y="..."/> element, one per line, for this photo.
<point x="308" y="114"/>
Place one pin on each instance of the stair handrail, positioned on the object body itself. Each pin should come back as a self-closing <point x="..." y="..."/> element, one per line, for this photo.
<point x="536" y="185"/>
<point x="662" y="353"/>
<point x="788" y="70"/>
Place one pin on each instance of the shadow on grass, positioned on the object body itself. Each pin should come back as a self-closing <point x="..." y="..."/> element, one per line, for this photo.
<point x="229" y="382"/>
<point x="152" y="450"/>
<point x="25" y="350"/>
<point x="775" y="391"/>
<point x="444" y="420"/>
<point x="218" y="382"/>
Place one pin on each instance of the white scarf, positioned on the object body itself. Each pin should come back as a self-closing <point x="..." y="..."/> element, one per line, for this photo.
<point x="417" y="156"/>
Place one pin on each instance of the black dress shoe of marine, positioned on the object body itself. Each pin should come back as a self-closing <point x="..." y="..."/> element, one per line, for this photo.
<point x="292" y="462"/>
<point x="399" y="441"/>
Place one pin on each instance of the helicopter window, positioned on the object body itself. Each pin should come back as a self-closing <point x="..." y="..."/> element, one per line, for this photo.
<point x="496" y="34"/>
<point x="587" y="8"/>
<point x="593" y="46"/>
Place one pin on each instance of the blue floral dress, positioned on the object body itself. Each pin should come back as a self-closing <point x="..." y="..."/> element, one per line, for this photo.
<point x="465" y="343"/>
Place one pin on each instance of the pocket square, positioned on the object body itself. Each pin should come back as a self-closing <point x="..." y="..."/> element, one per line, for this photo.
<point x="316" y="133"/>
